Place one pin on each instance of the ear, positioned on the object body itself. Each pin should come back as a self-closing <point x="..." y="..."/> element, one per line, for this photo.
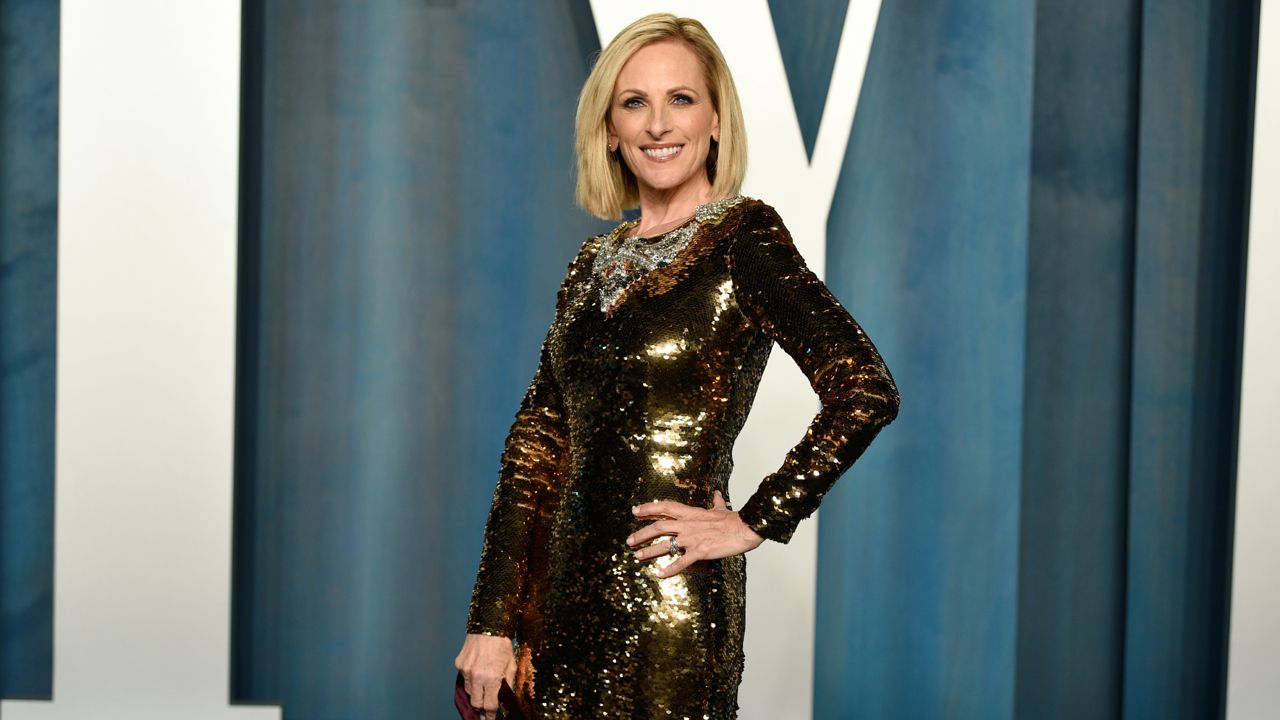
<point x="715" y="126"/>
<point x="612" y="134"/>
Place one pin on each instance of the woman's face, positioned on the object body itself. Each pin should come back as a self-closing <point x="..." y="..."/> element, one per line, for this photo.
<point x="662" y="120"/>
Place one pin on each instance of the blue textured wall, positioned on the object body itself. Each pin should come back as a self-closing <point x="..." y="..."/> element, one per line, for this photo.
<point x="1073" y="526"/>
<point x="28" y="341"/>
<point x="927" y="243"/>
<point x="808" y="34"/>
<point x="408" y="217"/>
<point x="1198" y="64"/>
<point x="1040" y="220"/>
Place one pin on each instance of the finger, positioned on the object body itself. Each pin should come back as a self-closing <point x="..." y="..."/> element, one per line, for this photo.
<point x="653" y="530"/>
<point x="480" y="685"/>
<point x="511" y="673"/>
<point x="655" y="550"/>
<point x="670" y="508"/>
<point x="470" y="687"/>
<point x="718" y="502"/>
<point x="652" y="552"/>
<point x="678" y="566"/>
<point x="490" y="701"/>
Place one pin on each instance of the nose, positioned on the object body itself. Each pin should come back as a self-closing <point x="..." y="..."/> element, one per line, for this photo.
<point x="659" y="121"/>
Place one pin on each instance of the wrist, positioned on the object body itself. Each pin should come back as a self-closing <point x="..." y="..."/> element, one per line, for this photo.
<point x="747" y="532"/>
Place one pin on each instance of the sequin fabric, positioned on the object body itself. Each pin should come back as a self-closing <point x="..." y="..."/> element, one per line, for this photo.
<point x="622" y="259"/>
<point x="640" y="401"/>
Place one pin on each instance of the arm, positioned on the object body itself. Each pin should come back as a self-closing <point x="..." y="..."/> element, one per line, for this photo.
<point x="536" y="448"/>
<point x="504" y="599"/>
<point x="779" y="294"/>
<point x="532" y="458"/>
<point x="530" y="463"/>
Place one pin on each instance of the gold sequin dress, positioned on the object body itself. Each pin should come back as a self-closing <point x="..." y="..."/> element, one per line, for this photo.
<point x="645" y="378"/>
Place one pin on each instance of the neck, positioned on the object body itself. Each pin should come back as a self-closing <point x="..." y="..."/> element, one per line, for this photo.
<point x="663" y="207"/>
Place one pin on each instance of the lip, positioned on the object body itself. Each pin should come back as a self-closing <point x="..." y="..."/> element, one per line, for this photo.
<point x="646" y="149"/>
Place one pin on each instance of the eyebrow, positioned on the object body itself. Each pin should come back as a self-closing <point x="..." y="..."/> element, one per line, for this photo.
<point x="672" y="91"/>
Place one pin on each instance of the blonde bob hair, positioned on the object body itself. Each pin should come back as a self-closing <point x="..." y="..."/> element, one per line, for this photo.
<point x="606" y="186"/>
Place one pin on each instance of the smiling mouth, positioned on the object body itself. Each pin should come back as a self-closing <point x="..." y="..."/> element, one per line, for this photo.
<point x="663" y="153"/>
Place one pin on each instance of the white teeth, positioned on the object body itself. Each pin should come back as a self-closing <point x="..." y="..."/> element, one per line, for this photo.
<point x="663" y="152"/>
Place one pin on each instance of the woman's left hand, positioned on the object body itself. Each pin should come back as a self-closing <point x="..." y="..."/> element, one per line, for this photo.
<point x="701" y="533"/>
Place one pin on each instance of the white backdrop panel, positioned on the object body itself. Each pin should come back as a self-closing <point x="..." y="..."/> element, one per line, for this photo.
<point x="149" y="119"/>
<point x="1253" y="679"/>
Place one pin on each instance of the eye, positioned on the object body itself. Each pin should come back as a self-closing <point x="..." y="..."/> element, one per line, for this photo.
<point x="632" y="102"/>
<point x="681" y="99"/>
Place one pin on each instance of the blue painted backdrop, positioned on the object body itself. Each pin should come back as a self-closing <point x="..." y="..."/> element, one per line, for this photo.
<point x="408" y="215"/>
<point x="28" y="302"/>
<point x="927" y="244"/>
<point x="1040" y="220"/>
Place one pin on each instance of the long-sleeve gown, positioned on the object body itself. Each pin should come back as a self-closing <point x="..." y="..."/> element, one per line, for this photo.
<point x="641" y="399"/>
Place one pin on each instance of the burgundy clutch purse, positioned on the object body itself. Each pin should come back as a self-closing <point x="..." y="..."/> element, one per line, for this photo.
<point x="507" y="705"/>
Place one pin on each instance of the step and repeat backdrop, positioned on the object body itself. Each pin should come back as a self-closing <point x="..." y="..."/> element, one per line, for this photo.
<point x="273" y="277"/>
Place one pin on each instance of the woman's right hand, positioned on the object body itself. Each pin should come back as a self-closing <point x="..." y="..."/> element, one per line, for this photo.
<point x="485" y="661"/>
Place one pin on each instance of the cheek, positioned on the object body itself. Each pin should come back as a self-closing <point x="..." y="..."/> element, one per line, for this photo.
<point x="628" y="126"/>
<point x="700" y="127"/>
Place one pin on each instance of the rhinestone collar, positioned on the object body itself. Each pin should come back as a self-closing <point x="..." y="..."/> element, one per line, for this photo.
<point x="623" y="260"/>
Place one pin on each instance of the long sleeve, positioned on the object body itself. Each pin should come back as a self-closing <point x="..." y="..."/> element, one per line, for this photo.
<point x="779" y="294"/>
<point x="531" y="458"/>
<point x="504" y="599"/>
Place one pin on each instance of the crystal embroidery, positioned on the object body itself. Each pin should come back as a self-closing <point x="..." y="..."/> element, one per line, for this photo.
<point x="624" y="260"/>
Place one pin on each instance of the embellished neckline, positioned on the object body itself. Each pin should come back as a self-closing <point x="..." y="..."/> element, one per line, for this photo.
<point x="650" y="239"/>
<point x="625" y="262"/>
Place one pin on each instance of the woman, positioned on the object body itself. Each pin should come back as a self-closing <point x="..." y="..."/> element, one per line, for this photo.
<point x="611" y="557"/>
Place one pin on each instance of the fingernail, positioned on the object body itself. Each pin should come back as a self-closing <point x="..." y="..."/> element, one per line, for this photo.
<point x="635" y="509"/>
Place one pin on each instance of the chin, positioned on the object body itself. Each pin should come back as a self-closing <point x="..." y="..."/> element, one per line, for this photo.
<point x="664" y="183"/>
